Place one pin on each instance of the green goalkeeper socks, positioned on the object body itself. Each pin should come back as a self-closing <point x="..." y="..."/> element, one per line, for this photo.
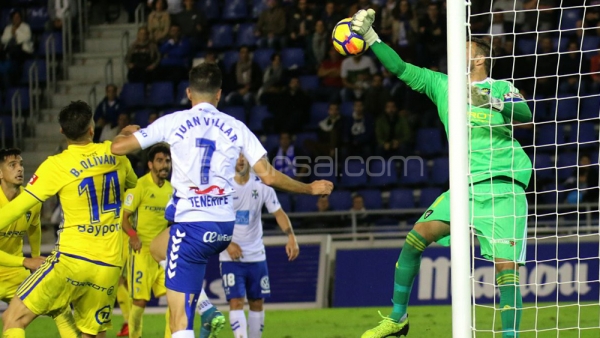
<point x="407" y="268"/>
<point x="511" y="302"/>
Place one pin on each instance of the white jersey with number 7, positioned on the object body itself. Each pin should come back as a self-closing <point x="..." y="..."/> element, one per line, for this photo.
<point x="205" y="144"/>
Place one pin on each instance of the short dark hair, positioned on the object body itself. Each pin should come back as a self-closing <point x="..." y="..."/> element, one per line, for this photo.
<point x="74" y="119"/>
<point x="8" y="152"/>
<point x="111" y="85"/>
<point x="158" y="149"/>
<point x="485" y="49"/>
<point x="206" y="78"/>
<point x="165" y="4"/>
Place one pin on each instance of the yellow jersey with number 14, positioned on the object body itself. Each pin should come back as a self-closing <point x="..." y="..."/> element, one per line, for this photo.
<point x="147" y="202"/>
<point x="90" y="182"/>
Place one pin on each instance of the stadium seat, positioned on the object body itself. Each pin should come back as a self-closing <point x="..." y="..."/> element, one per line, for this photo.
<point x="245" y="35"/>
<point x="526" y="46"/>
<point x="371" y="198"/>
<point x="305" y="203"/>
<point x="550" y="194"/>
<point x="543" y="169"/>
<point x="238" y="113"/>
<point x="292" y="58"/>
<point x="24" y="98"/>
<point x="428" y="196"/>
<point x="549" y="134"/>
<point x="566" y="165"/>
<point x="302" y="137"/>
<point x="324" y="170"/>
<point x="181" y="98"/>
<point x="221" y="36"/>
<point x="230" y="58"/>
<point x="353" y="174"/>
<point x="589" y="46"/>
<point x="161" y="94"/>
<point x="140" y="117"/>
<point x="590" y="107"/>
<point x="271" y="141"/>
<point x="58" y="43"/>
<point x="540" y="108"/>
<point x="429" y="142"/>
<point x="262" y="57"/>
<point x="257" y="116"/>
<point x="382" y="173"/>
<point x="401" y="199"/>
<point x="585" y="134"/>
<point x="560" y="43"/>
<point x="569" y="18"/>
<point x="41" y="70"/>
<point x="347" y="108"/>
<point x="5" y="17"/>
<point x="309" y="82"/>
<point x="318" y="112"/>
<point x="440" y="172"/>
<point x="37" y="18"/>
<point x="210" y="8"/>
<point x="258" y="7"/>
<point x="234" y="10"/>
<point x="132" y="95"/>
<point x="6" y="124"/>
<point x="524" y="136"/>
<point x="285" y="200"/>
<point x="340" y="200"/>
<point x="414" y="172"/>
<point x="564" y="108"/>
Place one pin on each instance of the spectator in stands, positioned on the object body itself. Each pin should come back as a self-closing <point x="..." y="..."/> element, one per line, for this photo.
<point x="358" y="208"/>
<point x="152" y="117"/>
<point x="108" y="110"/>
<point x="286" y="158"/>
<point x="110" y="131"/>
<point x="246" y="79"/>
<point x="595" y="71"/>
<point x="545" y="68"/>
<point x="586" y="183"/>
<point x="319" y="43"/>
<point x="540" y="15"/>
<point x="273" y="80"/>
<point x="497" y="26"/>
<point x="194" y="25"/>
<point x="142" y="58"/>
<point x="356" y="76"/>
<point x="301" y="24"/>
<point x="175" y="56"/>
<point x="513" y="17"/>
<point x="329" y="134"/>
<point x="376" y="97"/>
<point x="361" y="4"/>
<point x="174" y="7"/>
<point x="570" y="69"/>
<point x="433" y="35"/>
<point x="387" y="19"/>
<point x="330" y="16"/>
<point x="504" y="62"/>
<point x="159" y="21"/>
<point x="324" y="221"/>
<point x="291" y="108"/>
<point x="272" y="26"/>
<point x="330" y="74"/>
<point x="392" y="132"/>
<point x="16" y="47"/>
<point x="360" y="132"/>
<point x="56" y="12"/>
<point x="404" y="30"/>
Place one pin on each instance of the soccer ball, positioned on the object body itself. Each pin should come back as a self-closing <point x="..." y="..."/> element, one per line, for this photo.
<point x="345" y="41"/>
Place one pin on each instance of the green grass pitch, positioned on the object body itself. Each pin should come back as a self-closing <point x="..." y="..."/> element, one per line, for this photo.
<point x="426" y="321"/>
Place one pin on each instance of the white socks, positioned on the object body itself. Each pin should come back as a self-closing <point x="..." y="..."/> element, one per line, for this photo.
<point x="256" y="323"/>
<point x="203" y="303"/>
<point x="237" y="319"/>
<point x="183" y="334"/>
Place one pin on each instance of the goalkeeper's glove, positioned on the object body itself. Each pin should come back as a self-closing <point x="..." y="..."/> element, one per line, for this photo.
<point x="480" y="99"/>
<point x="362" y="24"/>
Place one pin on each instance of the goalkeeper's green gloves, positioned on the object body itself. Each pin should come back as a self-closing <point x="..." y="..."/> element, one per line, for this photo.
<point x="480" y="99"/>
<point x="362" y="24"/>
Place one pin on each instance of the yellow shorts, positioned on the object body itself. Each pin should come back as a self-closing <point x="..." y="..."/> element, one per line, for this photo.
<point x="10" y="279"/>
<point x="145" y="275"/>
<point x="89" y="286"/>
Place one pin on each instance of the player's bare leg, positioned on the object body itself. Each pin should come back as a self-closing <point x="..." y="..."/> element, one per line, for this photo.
<point x="511" y="301"/>
<point x="16" y="318"/>
<point x="182" y="307"/>
<point x="158" y="247"/>
<point x="256" y="318"/>
<point x="237" y="318"/>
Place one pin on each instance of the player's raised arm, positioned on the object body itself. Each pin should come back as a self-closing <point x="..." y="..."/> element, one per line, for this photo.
<point x="512" y="105"/>
<point x="272" y="177"/>
<point x="125" y="143"/>
<point x="16" y="208"/>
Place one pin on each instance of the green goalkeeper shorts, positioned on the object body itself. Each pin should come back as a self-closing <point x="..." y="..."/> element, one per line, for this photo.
<point x="498" y="215"/>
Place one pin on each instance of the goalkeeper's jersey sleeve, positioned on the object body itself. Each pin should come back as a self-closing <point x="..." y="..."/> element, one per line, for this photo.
<point x="493" y="152"/>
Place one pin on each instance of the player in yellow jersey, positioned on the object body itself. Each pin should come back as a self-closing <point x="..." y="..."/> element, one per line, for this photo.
<point x="83" y="270"/>
<point x="14" y="268"/>
<point x="145" y="205"/>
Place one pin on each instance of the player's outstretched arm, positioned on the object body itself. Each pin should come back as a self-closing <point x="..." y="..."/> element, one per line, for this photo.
<point x="16" y="208"/>
<point x="125" y="143"/>
<point x="291" y="248"/>
<point x="273" y="178"/>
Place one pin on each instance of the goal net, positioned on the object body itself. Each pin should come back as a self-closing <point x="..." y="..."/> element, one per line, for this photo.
<point x="550" y="51"/>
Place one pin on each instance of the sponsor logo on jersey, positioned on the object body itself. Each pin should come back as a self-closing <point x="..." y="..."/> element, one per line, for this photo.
<point x="103" y="315"/>
<point x="99" y="230"/>
<point x="242" y="217"/>
<point x="96" y="287"/>
<point x="513" y="95"/>
<point x="254" y="194"/>
<point x="485" y="90"/>
<point x="129" y="200"/>
<point x="28" y="216"/>
<point x="13" y="233"/>
<point x="265" y="285"/>
<point x="33" y="179"/>
<point x="212" y="190"/>
<point x="212" y="237"/>
<point x="428" y="213"/>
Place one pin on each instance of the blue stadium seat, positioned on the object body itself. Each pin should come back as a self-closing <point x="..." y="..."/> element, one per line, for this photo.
<point x="37" y="18"/>
<point x="230" y="58"/>
<point x="6" y="123"/>
<point x="24" y="98"/>
<point x="590" y="107"/>
<point x="540" y="108"/>
<point x="414" y="172"/>
<point x="318" y="112"/>
<point x="309" y="82"/>
<point x="257" y="117"/>
<point x="382" y="173"/>
<point x="324" y="170"/>
<point x="140" y="117"/>
<point x="5" y="17"/>
<point x="262" y="57"/>
<point x="401" y="199"/>
<point x="302" y="137"/>
<point x="543" y="167"/>
<point x="285" y="200"/>
<point x="440" y="172"/>
<point x="181" y="98"/>
<point x="354" y="174"/>
<point x="569" y="18"/>
<point x="560" y="43"/>
<point x="221" y="36"/>
<point x="594" y="157"/>
<point x="238" y="113"/>
<point x="58" y="43"/>
<point x="292" y="58"/>
<point x="306" y="203"/>
<point x="371" y="198"/>
<point x="132" y="95"/>
<point x="550" y="194"/>
<point x="526" y="46"/>
<point x="564" y="107"/>
<point x="428" y="196"/>
<point x="234" y="10"/>
<point x="429" y="142"/>
<point x="549" y="134"/>
<point x="523" y="135"/>
<point x="245" y="35"/>
<point x="589" y="46"/>
<point x="210" y="8"/>
<point x="161" y="94"/>
<point x="347" y="108"/>
<point x="41" y="70"/>
<point x="258" y="7"/>
<point x="585" y="134"/>
<point x="271" y="141"/>
<point x="566" y="165"/>
<point x="340" y="200"/>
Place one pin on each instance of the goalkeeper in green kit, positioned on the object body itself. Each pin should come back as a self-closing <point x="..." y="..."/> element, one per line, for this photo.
<point x="499" y="174"/>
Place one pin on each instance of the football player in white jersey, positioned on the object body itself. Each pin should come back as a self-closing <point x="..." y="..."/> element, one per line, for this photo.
<point x="205" y="145"/>
<point x="244" y="263"/>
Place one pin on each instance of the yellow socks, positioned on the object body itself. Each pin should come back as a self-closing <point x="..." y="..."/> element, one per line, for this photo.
<point x="136" y="321"/>
<point x="124" y="301"/>
<point x="168" y="325"/>
<point x="66" y="324"/>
